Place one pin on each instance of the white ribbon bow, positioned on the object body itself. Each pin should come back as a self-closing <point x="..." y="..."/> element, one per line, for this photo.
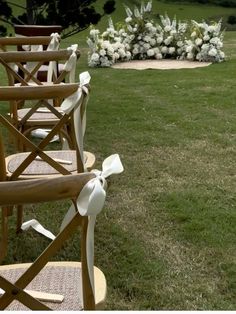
<point x="74" y="101"/>
<point x="90" y="203"/>
<point x="70" y="65"/>
<point x="54" y="42"/>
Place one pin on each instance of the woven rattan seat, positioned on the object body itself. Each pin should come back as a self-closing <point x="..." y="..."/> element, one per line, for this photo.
<point x="57" y="278"/>
<point x="39" y="168"/>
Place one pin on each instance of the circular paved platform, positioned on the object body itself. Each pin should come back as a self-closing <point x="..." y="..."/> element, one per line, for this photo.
<point x="159" y="64"/>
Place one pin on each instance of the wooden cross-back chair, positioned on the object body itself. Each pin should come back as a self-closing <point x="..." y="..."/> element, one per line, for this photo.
<point x="33" y="43"/>
<point x="28" y="77"/>
<point x="58" y="285"/>
<point x="39" y="162"/>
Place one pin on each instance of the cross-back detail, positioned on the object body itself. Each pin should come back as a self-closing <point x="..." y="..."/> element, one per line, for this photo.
<point x="88" y="200"/>
<point x="38" y="191"/>
<point x="71" y="106"/>
<point x="34" y="60"/>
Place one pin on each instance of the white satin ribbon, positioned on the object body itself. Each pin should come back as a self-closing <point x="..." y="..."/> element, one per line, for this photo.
<point x="75" y="101"/>
<point x="70" y="65"/>
<point x="33" y="223"/>
<point x="53" y="46"/>
<point x="90" y="203"/>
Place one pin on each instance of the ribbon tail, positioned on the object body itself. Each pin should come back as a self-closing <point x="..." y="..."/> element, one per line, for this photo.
<point x="68" y="217"/>
<point x="90" y="249"/>
<point x="37" y="227"/>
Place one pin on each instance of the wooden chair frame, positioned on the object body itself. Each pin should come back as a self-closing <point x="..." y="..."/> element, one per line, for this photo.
<point x="38" y="58"/>
<point x="36" y="92"/>
<point x="18" y="42"/>
<point x="45" y="190"/>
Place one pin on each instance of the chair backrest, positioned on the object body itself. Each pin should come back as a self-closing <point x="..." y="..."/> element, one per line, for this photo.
<point x="37" y="30"/>
<point x="50" y="190"/>
<point x="14" y="60"/>
<point x="73" y="110"/>
<point x="19" y="42"/>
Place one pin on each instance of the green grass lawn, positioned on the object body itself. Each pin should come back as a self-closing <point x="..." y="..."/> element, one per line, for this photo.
<point x="166" y="237"/>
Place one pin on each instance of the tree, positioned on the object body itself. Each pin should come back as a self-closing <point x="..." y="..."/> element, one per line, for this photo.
<point x="73" y="15"/>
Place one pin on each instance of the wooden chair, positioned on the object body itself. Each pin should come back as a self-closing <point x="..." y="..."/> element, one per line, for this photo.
<point x="45" y="285"/>
<point x="35" y="43"/>
<point x="28" y="77"/>
<point x="38" y="30"/>
<point x="37" y="162"/>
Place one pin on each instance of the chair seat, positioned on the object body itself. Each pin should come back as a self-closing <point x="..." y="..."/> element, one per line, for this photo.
<point x="40" y="116"/>
<point x="57" y="278"/>
<point x="39" y="168"/>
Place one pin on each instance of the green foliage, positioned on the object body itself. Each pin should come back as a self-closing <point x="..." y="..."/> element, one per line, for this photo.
<point x="73" y="15"/>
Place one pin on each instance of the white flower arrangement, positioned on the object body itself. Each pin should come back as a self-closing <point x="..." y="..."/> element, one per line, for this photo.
<point x="140" y="38"/>
<point x="206" y="42"/>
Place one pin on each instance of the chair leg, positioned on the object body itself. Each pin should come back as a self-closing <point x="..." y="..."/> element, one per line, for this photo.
<point x="6" y="212"/>
<point x="19" y="218"/>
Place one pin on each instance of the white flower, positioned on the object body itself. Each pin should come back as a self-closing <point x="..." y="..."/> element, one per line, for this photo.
<point x="198" y="41"/>
<point x="168" y="40"/>
<point x="212" y="52"/>
<point x="164" y="49"/>
<point x="95" y="57"/>
<point x="194" y="34"/>
<point x="128" y="19"/>
<point x="214" y="40"/>
<point x="180" y="43"/>
<point x="128" y="55"/>
<point x="206" y="38"/>
<point x="102" y="52"/>
<point x="190" y="56"/>
<point x="171" y="50"/>
<point x="146" y="46"/>
<point x="211" y="28"/>
<point x="148" y="25"/>
<point x="150" y="52"/>
<point x="159" y="40"/>
<point x="152" y="41"/>
<point x="116" y="56"/>
<point x="158" y="56"/>
<point x="167" y="28"/>
<point x="135" y="51"/>
<point x="94" y="32"/>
